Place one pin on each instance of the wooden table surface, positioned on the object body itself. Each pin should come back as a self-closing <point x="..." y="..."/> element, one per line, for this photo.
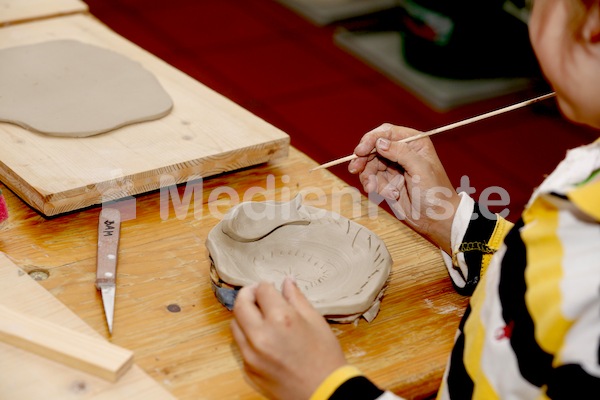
<point x="166" y="311"/>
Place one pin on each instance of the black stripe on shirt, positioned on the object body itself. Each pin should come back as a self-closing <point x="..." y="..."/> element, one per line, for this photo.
<point x="480" y="229"/>
<point x="535" y="364"/>
<point x="358" y="387"/>
<point x="572" y="382"/>
<point x="460" y="385"/>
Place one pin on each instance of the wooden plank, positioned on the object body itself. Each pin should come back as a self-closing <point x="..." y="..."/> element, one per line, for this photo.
<point x="78" y="350"/>
<point x="25" y="375"/>
<point x="205" y="134"/>
<point x="15" y="11"/>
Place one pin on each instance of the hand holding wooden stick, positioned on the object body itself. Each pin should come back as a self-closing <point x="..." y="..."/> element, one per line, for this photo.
<point x="446" y="128"/>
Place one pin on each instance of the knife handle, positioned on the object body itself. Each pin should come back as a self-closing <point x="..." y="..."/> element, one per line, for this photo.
<point x="109" y="229"/>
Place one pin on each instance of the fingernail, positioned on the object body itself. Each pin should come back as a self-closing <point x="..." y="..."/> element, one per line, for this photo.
<point x="396" y="194"/>
<point x="291" y="279"/>
<point x="371" y="184"/>
<point x="383" y="144"/>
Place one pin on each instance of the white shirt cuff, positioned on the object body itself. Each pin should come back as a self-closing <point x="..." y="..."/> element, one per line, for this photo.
<point x="461" y="221"/>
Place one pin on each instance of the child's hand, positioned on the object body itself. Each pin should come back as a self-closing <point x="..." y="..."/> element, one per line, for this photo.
<point x="287" y="346"/>
<point x="411" y="177"/>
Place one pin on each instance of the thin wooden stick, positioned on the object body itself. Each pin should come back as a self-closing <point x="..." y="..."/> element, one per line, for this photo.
<point x="445" y="128"/>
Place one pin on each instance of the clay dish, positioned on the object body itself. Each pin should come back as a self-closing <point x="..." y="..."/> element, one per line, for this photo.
<point x="340" y="266"/>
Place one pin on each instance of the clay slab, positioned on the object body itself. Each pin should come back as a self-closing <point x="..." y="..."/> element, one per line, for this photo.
<point x="72" y="89"/>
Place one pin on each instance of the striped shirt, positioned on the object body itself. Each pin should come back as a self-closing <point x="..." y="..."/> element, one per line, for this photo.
<point x="532" y="327"/>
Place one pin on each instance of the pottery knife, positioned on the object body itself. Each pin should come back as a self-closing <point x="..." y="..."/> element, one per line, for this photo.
<point x="109" y="228"/>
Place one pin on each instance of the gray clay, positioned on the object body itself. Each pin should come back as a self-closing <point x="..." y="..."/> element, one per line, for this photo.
<point x="340" y="266"/>
<point x="252" y="220"/>
<point x="72" y="89"/>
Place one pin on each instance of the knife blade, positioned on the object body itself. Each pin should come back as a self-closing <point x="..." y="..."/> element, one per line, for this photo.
<point x="109" y="229"/>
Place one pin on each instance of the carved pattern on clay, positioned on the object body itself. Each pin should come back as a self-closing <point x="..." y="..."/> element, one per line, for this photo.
<point x="69" y="88"/>
<point x="341" y="266"/>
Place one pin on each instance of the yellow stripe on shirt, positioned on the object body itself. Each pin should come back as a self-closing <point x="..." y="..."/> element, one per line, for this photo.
<point x="544" y="273"/>
<point x="333" y="381"/>
<point x="500" y="231"/>
<point x="586" y="198"/>
<point x="474" y="333"/>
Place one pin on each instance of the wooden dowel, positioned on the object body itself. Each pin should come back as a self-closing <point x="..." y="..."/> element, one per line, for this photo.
<point x="445" y="128"/>
<point x="77" y="350"/>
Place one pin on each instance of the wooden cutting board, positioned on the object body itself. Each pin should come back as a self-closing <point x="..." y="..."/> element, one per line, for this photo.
<point x="24" y="375"/>
<point x="15" y="11"/>
<point x="205" y="134"/>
